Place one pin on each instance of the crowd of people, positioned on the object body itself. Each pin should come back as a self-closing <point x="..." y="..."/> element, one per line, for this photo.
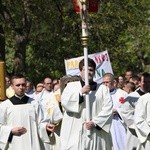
<point x="52" y="115"/>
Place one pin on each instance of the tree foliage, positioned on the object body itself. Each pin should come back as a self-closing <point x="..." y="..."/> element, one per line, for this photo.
<point x="40" y="34"/>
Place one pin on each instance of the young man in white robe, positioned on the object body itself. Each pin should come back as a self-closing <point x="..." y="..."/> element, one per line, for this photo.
<point x="127" y="111"/>
<point x="118" y="130"/>
<point x="20" y="120"/>
<point x="75" y="127"/>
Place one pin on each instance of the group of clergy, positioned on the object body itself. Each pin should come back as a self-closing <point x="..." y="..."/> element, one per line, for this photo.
<point x="57" y="119"/>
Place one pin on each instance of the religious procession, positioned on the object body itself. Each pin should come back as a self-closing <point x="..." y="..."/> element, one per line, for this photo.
<point x="53" y="114"/>
<point x="90" y="107"/>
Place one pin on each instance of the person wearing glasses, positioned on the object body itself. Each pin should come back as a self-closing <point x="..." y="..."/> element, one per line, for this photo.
<point x="75" y="126"/>
<point x="20" y="120"/>
<point x="118" y="131"/>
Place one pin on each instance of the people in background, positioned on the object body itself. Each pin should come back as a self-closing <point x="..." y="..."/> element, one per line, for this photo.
<point x="129" y="87"/>
<point x="120" y="82"/>
<point x="127" y="111"/>
<point x="39" y="87"/>
<point x="9" y="90"/>
<point x="128" y="75"/>
<point x="136" y="80"/>
<point x="29" y="89"/>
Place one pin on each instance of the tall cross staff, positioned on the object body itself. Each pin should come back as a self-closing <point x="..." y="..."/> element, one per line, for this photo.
<point x="80" y="6"/>
<point x="84" y="39"/>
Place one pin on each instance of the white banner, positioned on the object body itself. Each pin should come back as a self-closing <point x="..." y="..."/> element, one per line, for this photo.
<point x="101" y="59"/>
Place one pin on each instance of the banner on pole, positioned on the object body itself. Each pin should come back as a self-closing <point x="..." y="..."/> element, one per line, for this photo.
<point x="103" y="65"/>
<point x="77" y="6"/>
<point x="92" y="5"/>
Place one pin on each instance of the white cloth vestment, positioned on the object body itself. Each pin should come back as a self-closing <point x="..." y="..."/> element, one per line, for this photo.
<point x="142" y="121"/>
<point x="127" y="113"/>
<point x="24" y="115"/>
<point x="118" y="130"/>
<point x="73" y="133"/>
<point x="53" y="115"/>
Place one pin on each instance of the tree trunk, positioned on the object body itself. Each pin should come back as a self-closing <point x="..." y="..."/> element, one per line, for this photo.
<point x="20" y="33"/>
<point x="20" y="54"/>
<point x="2" y="44"/>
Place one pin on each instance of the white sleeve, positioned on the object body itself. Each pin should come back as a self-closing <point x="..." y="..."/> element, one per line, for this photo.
<point x="4" y="129"/>
<point x="104" y="117"/>
<point x="142" y="119"/>
<point x="70" y="97"/>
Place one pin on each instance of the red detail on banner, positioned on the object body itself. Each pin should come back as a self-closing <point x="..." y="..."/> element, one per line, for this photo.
<point x="93" y="5"/>
<point x="77" y="8"/>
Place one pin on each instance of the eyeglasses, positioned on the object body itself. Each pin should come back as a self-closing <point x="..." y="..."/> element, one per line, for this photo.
<point x="23" y="84"/>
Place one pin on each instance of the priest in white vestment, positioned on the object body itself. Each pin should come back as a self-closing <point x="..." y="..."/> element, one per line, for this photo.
<point x="118" y="130"/>
<point x="20" y="120"/>
<point x="74" y="124"/>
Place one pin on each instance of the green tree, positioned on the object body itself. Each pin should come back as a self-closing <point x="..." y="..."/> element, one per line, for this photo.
<point x="40" y="34"/>
<point x="17" y="23"/>
<point x="2" y="44"/>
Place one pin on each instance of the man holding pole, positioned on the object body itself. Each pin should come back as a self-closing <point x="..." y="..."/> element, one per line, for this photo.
<point x="75" y="126"/>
